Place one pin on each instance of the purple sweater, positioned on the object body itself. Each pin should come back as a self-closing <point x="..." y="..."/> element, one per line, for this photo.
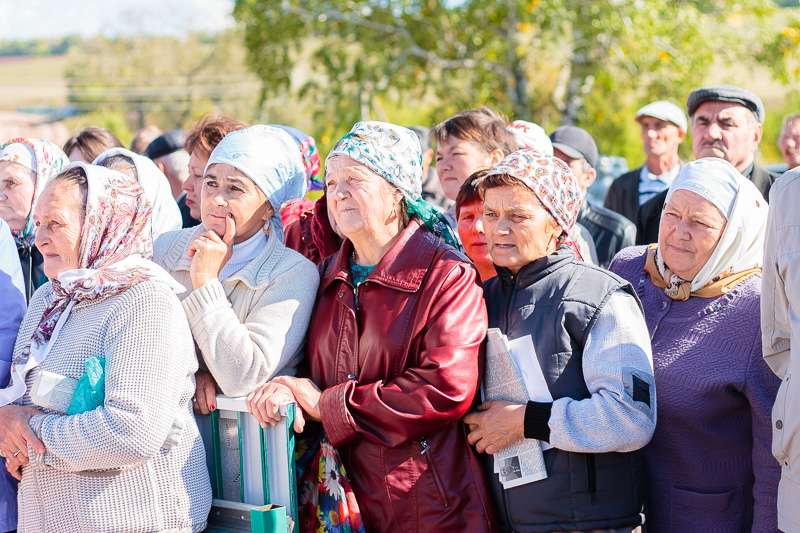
<point x="709" y="464"/>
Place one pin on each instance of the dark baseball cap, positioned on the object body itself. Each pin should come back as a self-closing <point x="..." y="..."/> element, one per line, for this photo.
<point x="726" y="93"/>
<point x="576" y="143"/>
<point x="165" y="144"/>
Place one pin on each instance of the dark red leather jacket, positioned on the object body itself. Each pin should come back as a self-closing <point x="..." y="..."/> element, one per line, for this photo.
<point x="399" y="369"/>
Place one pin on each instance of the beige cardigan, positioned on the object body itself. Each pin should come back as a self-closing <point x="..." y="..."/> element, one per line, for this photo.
<point x="251" y="326"/>
<point x="135" y="463"/>
<point x="780" y="326"/>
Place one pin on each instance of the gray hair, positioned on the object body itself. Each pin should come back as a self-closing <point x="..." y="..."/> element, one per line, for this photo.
<point x="176" y="164"/>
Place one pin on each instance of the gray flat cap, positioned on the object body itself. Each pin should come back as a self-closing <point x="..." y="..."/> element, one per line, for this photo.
<point x="726" y="93"/>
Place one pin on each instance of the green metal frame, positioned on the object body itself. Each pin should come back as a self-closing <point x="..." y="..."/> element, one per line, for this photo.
<point x="218" y="487"/>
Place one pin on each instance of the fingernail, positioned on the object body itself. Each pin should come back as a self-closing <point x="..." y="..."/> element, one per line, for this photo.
<point x="230" y="215"/>
<point x="213" y="407"/>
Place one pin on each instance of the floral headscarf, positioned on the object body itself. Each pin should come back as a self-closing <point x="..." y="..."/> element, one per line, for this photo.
<point x="45" y="160"/>
<point x="115" y="251"/>
<point x="550" y="179"/>
<point x="394" y="153"/>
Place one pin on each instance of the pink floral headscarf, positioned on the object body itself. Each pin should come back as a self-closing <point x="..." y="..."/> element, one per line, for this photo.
<point x="550" y="179"/>
<point x="115" y="253"/>
<point x="45" y="160"/>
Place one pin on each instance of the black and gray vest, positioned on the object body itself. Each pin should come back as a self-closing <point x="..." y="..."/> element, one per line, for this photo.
<point x="556" y="300"/>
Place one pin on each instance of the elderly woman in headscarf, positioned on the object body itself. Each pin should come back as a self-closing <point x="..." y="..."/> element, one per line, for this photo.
<point x="135" y="461"/>
<point x="25" y="167"/>
<point x="393" y="351"/>
<point x="166" y="214"/>
<point x="709" y="465"/>
<point x="249" y="298"/>
<point x="585" y="328"/>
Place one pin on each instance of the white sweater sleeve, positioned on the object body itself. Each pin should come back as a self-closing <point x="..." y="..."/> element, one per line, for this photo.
<point x="150" y="364"/>
<point x="241" y="355"/>
<point x="620" y="415"/>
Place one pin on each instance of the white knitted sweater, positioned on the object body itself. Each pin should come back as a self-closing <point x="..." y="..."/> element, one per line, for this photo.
<point x="251" y="326"/>
<point x="137" y="462"/>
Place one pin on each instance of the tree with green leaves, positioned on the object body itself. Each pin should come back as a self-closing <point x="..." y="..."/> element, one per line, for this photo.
<point x="547" y="60"/>
<point x="162" y="80"/>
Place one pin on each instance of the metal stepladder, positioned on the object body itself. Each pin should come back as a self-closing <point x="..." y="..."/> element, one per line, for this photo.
<point x="252" y="470"/>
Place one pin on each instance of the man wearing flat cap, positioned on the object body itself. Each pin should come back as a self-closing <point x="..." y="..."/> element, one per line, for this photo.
<point x="663" y="129"/>
<point x="727" y="123"/>
<point x="610" y="231"/>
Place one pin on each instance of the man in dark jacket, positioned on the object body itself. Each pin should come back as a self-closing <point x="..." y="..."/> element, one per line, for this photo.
<point x="663" y="128"/>
<point x="727" y="123"/>
<point x="611" y="231"/>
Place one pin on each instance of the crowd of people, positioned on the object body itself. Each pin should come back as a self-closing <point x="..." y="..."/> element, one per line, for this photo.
<point x="152" y="279"/>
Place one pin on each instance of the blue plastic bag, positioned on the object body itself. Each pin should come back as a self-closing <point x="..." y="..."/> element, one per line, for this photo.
<point x="90" y="393"/>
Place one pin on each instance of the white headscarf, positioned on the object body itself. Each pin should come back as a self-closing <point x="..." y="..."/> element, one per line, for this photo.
<point x="166" y="214"/>
<point x="741" y="246"/>
<point x="268" y="156"/>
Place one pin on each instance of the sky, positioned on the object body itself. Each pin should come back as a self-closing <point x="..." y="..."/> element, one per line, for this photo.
<point x="58" y="18"/>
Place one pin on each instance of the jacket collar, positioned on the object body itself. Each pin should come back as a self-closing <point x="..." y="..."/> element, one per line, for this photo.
<point x="539" y="268"/>
<point x="256" y="274"/>
<point x="402" y="268"/>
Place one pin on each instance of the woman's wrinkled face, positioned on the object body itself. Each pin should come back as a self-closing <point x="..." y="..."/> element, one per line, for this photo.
<point x="58" y="220"/>
<point x="194" y="183"/>
<point x="457" y="160"/>
<point x="472" y="234"/>
<point x="358" y="198"/>
<point x="518" y="228"/>
<point x="227" y="190"/>
<point x="17" y="185"/>
<point x="690" y="229"/>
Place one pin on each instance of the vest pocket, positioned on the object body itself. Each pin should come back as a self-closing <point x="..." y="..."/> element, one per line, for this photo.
<point x="706" y="511"/>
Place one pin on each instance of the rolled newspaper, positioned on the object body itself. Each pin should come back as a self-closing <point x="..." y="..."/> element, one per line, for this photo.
<point x="522" y="461"/>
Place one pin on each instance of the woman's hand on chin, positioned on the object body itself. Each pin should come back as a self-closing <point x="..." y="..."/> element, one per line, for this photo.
<point x="209" y="252"/>
<point x="306" y="393"/>
<point x="264" y="404"/>
<point x="16" y="435"/>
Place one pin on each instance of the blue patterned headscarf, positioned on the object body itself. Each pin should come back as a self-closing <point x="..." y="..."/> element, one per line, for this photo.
<point x="268" y="156"/>
<point x="394" y="153"/>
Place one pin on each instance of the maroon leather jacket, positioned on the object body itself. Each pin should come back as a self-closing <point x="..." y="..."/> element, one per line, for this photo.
<point x="399" y="369"/>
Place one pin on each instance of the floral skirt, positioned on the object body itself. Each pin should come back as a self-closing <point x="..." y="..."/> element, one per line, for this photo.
<point x="327" y="501"/>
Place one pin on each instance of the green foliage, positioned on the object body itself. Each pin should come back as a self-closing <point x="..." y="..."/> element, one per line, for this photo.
<point x="590" y="62"/>
<point x="781" y="50"/>
<point x="38" y="47"/>
<point x="162" y="80"/>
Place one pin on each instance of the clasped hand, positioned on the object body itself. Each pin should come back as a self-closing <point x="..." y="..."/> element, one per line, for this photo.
<point x="264" y="403"/>
<point x="495" y="425"/>
<point x="16" y="435"/>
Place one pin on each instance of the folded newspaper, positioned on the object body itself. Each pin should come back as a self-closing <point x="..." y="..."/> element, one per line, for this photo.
<point x="521" y="462"/>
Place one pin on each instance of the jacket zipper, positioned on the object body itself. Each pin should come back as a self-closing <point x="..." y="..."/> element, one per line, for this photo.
<point x="514" y="280"/>
<point x="426" y="451"/>
<point x="505" y="332"/>
<point x="591" y="477"/>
